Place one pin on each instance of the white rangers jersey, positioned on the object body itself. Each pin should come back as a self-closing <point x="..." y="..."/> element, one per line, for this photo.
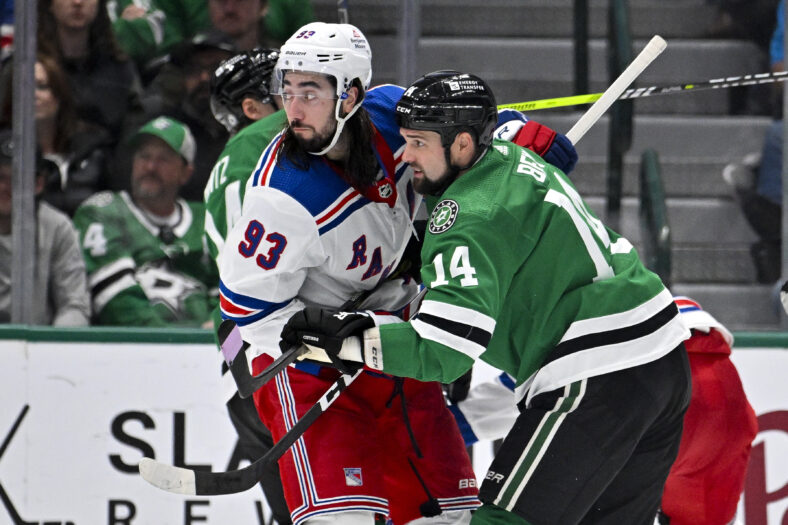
<point x="307" y="237"/>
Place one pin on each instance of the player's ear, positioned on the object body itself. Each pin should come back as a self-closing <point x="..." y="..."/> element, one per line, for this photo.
<point x="463" y="148"/>
<point x="254" y="109"/>
<point x="351" y="100"/>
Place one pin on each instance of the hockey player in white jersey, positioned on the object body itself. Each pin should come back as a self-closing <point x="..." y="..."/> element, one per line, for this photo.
<point x="326" y="216"/>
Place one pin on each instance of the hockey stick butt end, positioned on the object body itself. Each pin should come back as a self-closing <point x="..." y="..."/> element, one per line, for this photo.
<point x="658" y="43"/>
<point x="167" y="477"/>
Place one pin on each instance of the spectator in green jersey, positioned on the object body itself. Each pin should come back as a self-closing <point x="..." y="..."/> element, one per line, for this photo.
<point x="149" y="29"/>
<point x="144" y="250"/>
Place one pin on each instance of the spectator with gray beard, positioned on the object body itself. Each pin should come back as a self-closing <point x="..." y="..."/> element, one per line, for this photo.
<point x="144" y="251"/>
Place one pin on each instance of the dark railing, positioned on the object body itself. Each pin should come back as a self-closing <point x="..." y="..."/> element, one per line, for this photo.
<point x="619" y="46"/>
<point x="654" y="227"/>
<point x="581" y="46"/>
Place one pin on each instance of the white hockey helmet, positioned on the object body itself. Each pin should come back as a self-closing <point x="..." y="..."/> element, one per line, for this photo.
<point x="338" y="50"/>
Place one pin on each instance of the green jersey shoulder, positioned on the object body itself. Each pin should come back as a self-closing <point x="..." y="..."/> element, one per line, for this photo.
<point x="226" y="185"/>
<point x="516" y="263"/>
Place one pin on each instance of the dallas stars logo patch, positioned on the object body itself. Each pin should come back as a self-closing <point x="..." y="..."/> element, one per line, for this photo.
<point x="443" y="216"/>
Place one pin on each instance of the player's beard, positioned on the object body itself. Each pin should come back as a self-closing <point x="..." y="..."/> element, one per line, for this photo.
<point x="319" y="139"/>
<point x="436" y="187"/>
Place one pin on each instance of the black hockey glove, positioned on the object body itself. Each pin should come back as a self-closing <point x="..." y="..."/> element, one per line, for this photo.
<point x="333" y="338"/>
<point x="458" y="389"/>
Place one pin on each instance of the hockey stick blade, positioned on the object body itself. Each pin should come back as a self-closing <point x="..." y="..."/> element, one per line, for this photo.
<point x="234" y="351"/>
<point x="181" y="480"/>
<point x="652" y="91"/>
<point x="652" y="50"/>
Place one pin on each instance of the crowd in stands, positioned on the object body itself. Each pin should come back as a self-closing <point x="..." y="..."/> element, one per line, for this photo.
<point x="125" y="142"/>
<point x="104" y="68"/>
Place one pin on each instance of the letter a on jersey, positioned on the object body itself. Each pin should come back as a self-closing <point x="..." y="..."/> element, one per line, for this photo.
<point x="443" y="216"/>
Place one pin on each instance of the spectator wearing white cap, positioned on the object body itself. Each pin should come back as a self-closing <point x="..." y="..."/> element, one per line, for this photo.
<point x="144" y="252"/>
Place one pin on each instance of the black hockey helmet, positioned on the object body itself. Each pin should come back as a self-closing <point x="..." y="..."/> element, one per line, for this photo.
<point x="449" y="102"/>
<point x="247" y="74"/>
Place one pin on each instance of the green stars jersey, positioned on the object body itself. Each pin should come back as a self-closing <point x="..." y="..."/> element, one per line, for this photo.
<point x="226" y="185"/>
<point x="140" y="274"/>
<point x="521" y="274"/>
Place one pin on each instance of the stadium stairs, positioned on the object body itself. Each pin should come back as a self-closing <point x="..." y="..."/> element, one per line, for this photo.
<point x="524" y="48"/>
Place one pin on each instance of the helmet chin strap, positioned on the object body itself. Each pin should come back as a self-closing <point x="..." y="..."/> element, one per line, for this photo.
<point x="340" y="125"/>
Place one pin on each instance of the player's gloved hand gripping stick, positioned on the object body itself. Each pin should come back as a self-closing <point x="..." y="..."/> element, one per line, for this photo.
<point x="194" y="482"/>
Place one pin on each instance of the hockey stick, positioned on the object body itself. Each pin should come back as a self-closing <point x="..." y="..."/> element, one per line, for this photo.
<point x="181" y="480"/>
<point x="652" y="50"/>
<point x="233" y="345"/>
<point x="234" y="350"/>
<point x="652" y="91"/>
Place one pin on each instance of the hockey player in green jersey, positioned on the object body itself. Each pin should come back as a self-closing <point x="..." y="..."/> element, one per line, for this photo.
<point x="242" y="102"/>
<point x="144" y="251"/>
<point x="522" y="275"/>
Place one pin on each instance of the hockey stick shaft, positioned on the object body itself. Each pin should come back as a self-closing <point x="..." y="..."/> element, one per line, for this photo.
<point x="652" y="50"/>
<point x="234" y="351"/>
<point x="652" y="91"/>
<point x="181" y="480"/>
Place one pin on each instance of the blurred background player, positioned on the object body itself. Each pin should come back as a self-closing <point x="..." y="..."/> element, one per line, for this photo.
<point x="706" y="479"/>
<point x="241" y="100"/>
<point x="144" y="250"/>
